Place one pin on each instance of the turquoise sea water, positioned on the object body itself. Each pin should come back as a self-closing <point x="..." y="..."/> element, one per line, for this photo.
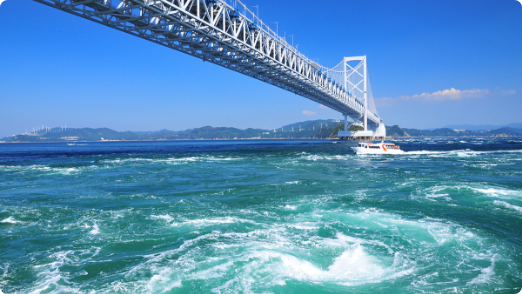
<point x="261" y="217"/>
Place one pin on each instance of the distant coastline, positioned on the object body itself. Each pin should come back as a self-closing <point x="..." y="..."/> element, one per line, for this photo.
<point x="317" y="129"/>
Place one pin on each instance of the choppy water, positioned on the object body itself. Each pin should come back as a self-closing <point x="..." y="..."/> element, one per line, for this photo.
<point x="261" y="217"/>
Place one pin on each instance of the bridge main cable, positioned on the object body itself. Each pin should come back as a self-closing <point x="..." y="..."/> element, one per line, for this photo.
<point x="229" y="35"/>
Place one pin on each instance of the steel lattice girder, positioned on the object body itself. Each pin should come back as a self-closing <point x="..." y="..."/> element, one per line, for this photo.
<point x="214" y="32"/>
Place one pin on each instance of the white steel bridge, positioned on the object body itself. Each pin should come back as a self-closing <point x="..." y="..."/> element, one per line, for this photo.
<point x="227" y="33"/>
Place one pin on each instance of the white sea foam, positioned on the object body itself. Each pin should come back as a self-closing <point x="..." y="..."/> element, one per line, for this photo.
<point x="496" y="192"/>
<point x="303" y="226"/>
<point x="162" y="282"/>
<point x="95" y="230"/>
<point x="172" y="160"/>
<point x="164" y="217"/>
<point x="67" y="171"/>
<point x="44" y="168"/>
<point x="5" y="270"/>
<point x="238" y="262"/>
<point x="214" y="272"/>
<point x="441" y="232"/>
<point x="507" y="205"/>
<point x="212" y="158"/>
<point x="485" y="274"/>
<point x="490" y="191"/>
<point x="424" y="152"/>
<point x="353" y="266"/>
<point x="316" y="157"/>
<point x="10" y="220"/>
<point x="50" y="275"/>
<point x="212" y="221"/>
<point x="435" y="196"/>
<point x="292" y="183"/>
<point x="460" y="153"/>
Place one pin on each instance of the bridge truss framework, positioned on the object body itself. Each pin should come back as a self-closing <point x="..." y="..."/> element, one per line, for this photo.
<point x="229" y="35"/>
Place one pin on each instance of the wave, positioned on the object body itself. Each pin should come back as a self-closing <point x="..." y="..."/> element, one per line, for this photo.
<point x="507" y="205"/>
<point x="50" y="277"/>
<point x="460" y="153"/>
<point x="450" y="192"/>
<point x="430" y="153"/>
<point x="485" y="274"/>
<point x="43" y="168"/>
<point x="278" y="254"/>
<point x="317" y="157"/>
<point x="112" y="163"/>
<point x="164" y="217"/>
<point x="354" y="265"/>
<point x="212" y="221"/>
<point x="497" y="192"/>
<point x="173" y="160"/>
<point x="95" y="229"/>
<point x="10" y="220"/>
<point x="292" y="183"/>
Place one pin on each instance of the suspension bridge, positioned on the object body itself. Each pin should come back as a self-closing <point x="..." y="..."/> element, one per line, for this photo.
<point x="227" y="33"/>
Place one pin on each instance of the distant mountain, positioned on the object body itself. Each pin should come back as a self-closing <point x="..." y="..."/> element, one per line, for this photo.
<point x="396" y="131"/>
<point x="307" y="129"/>
<point x="444" y="132"/>
<point x="84" y="134"/>
<point x="447" y="132"/>
<point x="319" y="129"/>
<point x="164" y="131"/>
<point x="484" y="127"/>
<point x="311" y="124"/>
<point x="504" y="132"/>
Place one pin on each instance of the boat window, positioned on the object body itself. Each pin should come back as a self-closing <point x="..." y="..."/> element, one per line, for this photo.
<point x="375" y="147"/>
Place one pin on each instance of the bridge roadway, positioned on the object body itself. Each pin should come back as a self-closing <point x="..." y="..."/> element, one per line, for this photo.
<point x="229" y="35"/>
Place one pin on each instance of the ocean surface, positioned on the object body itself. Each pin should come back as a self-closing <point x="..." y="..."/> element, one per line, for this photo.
<point x="261" y="217"/>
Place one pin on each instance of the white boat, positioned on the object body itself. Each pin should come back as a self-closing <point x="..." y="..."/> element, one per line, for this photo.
<point x="377" y="148"/>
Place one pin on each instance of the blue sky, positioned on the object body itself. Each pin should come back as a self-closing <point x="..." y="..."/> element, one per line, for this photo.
<point x="432" y="63"/>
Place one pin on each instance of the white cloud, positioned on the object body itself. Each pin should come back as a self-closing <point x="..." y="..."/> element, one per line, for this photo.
<point x="323" y="107"/>
<point x="308" y="112"/>
<point x="508" y="92"/>
<point x="443" y="95"/>
<point x="1" y="1"/>
<point x="450" y="94"/>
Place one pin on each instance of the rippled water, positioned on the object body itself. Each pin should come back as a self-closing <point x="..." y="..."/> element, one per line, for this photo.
<point x="261" y="217"/>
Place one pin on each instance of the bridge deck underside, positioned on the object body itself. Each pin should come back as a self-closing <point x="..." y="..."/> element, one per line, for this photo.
<point x="211" y="33"/>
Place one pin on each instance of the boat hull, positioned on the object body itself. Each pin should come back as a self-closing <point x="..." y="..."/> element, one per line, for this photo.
<point x="361" y="151"/>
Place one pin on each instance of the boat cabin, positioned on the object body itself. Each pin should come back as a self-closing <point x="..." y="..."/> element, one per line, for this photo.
<point x="384" y="146"/>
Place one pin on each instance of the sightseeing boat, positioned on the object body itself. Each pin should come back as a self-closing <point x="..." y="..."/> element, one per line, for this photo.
<point x="377" y="148"/>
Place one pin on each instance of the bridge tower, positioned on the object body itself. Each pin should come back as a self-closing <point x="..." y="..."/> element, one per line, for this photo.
<point x="357" y="82"/>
